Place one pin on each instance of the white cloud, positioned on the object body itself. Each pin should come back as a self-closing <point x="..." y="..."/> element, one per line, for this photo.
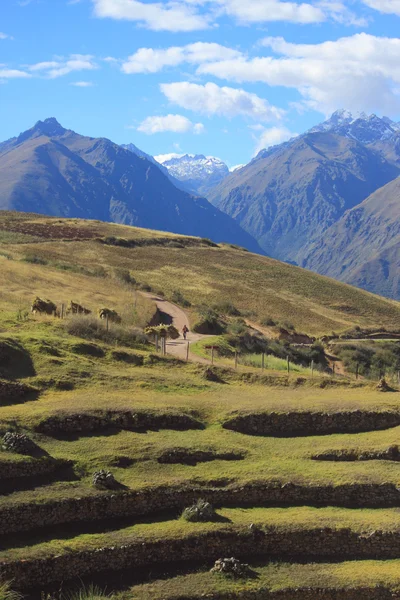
<point x="159" y="16"/>
<point x="272" y="136"/>
<point x="162" y="158"/>
<point x="211" y="99"/>
<point x="191" y="15"/>
<point x="391" y="7"/>
<point x="82" y="84"/>
<point x="5" y="36"/>
<point x="63" y="66"/>
<point x="149" y="60"/>
<point x="255" y="11"/>
<point x="174" y="123"/>
<point x="6" y="73"/>
<point x="359" y="72"/>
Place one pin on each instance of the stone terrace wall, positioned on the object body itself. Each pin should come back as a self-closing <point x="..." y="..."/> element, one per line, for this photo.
<point x="87" y="422"/>
<point x="311" y="423"/>
<point x="24" y="517"/>
<point x="30" y="468"/>
<point x="305" y="593"/>
<point x="317" y="544"/>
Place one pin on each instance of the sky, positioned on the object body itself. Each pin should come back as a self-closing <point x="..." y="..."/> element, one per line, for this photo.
<point x="223" y="78"/>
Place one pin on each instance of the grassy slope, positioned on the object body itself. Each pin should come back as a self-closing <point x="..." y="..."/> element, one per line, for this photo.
<point x="258" y="285"/>
<point x="104" y="383"/>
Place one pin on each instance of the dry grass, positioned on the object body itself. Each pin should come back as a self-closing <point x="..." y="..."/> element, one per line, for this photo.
<point x="257" y="285"/>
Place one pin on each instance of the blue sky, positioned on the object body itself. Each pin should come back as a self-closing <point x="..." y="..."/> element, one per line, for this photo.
<point x="217" y="77"/>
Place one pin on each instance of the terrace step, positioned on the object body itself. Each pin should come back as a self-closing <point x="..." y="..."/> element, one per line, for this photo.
<point x="309" y="423"/>
<point x="112" y="505"/>
<point x="314" y="535"/>
<point x="355" y="580"/>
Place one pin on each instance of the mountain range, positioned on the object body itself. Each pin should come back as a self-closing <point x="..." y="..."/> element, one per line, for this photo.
<point x="298" y="199"/>
<point x="327" y="200"/>
<point x="199" y="173"/>
<point x="55" y="171"/>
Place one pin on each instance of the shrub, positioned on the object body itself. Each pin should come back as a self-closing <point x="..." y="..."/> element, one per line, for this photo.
<point x="35" y="260"/>
<point x="268" y="322"/>
<point x="90" y="328"/>
<point x="6" y="593"/>
<point x="208" y="242"/>
<point x="124" y="276"/>
<point x="178" y="298"/>
<point x="227" y="308"/>
<point x="287" y="325"/>
<point x="90" y="593"/>
<point x="200" y="512"/>
<point x="145" y="287"/>
<point x="168" y="331"/>
<point x="209" y="322"/>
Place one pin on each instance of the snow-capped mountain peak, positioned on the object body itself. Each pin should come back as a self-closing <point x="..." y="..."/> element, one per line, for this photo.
<point x="359" y="126"/>
<point x="199" y="172"/>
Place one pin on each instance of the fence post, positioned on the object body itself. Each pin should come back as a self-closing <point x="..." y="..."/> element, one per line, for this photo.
<point x="236" y="359"/>
<point x="312" y="368"/>
<point x="288" y="365"/>
<point x="263" y="361"/>
<point x="187" y="351"/>
<point x="107" y="322"/>
<point x="333" y="369"/>
<point x="212" y="355"/>
<point x="357" y="371"/>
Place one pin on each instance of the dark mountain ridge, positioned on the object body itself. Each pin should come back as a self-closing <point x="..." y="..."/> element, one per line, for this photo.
<point x="55" y="171"/>
<point x="288" y="197"/>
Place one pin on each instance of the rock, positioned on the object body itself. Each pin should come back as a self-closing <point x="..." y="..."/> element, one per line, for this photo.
<point x="18" y="442"/>
<point x="104" y="479"/>
<point x="231" y="567"/>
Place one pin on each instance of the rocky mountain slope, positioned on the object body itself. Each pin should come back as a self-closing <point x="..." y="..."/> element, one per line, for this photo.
<point x="364" y="128"/>
<point x="199" y="173"/>
<point x="54" y="171"/>
<point x="363" y="247"/>
<point x="291" y="194"/>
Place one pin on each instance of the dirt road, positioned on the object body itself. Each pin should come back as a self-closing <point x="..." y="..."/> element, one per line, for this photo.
<point x="179" y="319"/>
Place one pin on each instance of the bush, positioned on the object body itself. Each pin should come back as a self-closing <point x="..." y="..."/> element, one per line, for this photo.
<point x="90" y="593"/>
<point x="35" y="260"/>
<point x="178" y="298"/>
<point x="6" y="593"/>
<point x="168" y="331"/>
<point x="227" y="308"/>
<point x="210" y="322"/>
<point x="145" y="287"/>
<point x="202" y="511"/>
<point x="373" y="359"/>
<point x="268" y="322"/>
<point x="124" y="276"/>
<point x="90" y="328"/>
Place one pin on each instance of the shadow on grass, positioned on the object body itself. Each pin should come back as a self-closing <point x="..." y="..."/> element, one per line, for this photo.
<point x="20" y="484"/>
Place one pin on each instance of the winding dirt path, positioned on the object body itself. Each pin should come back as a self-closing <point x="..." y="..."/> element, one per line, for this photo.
<point x="179" y="319"/>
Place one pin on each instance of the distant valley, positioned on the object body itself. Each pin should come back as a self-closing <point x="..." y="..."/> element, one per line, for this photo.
<point x="327" y="200"/>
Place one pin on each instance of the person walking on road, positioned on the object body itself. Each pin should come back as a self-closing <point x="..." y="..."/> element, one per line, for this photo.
<point x="185" y="331"/>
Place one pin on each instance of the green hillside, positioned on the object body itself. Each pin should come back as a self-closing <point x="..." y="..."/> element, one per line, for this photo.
<point x="105" y="442"/>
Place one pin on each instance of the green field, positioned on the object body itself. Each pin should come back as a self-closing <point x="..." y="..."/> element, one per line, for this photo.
<point x="76" y="370"/>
